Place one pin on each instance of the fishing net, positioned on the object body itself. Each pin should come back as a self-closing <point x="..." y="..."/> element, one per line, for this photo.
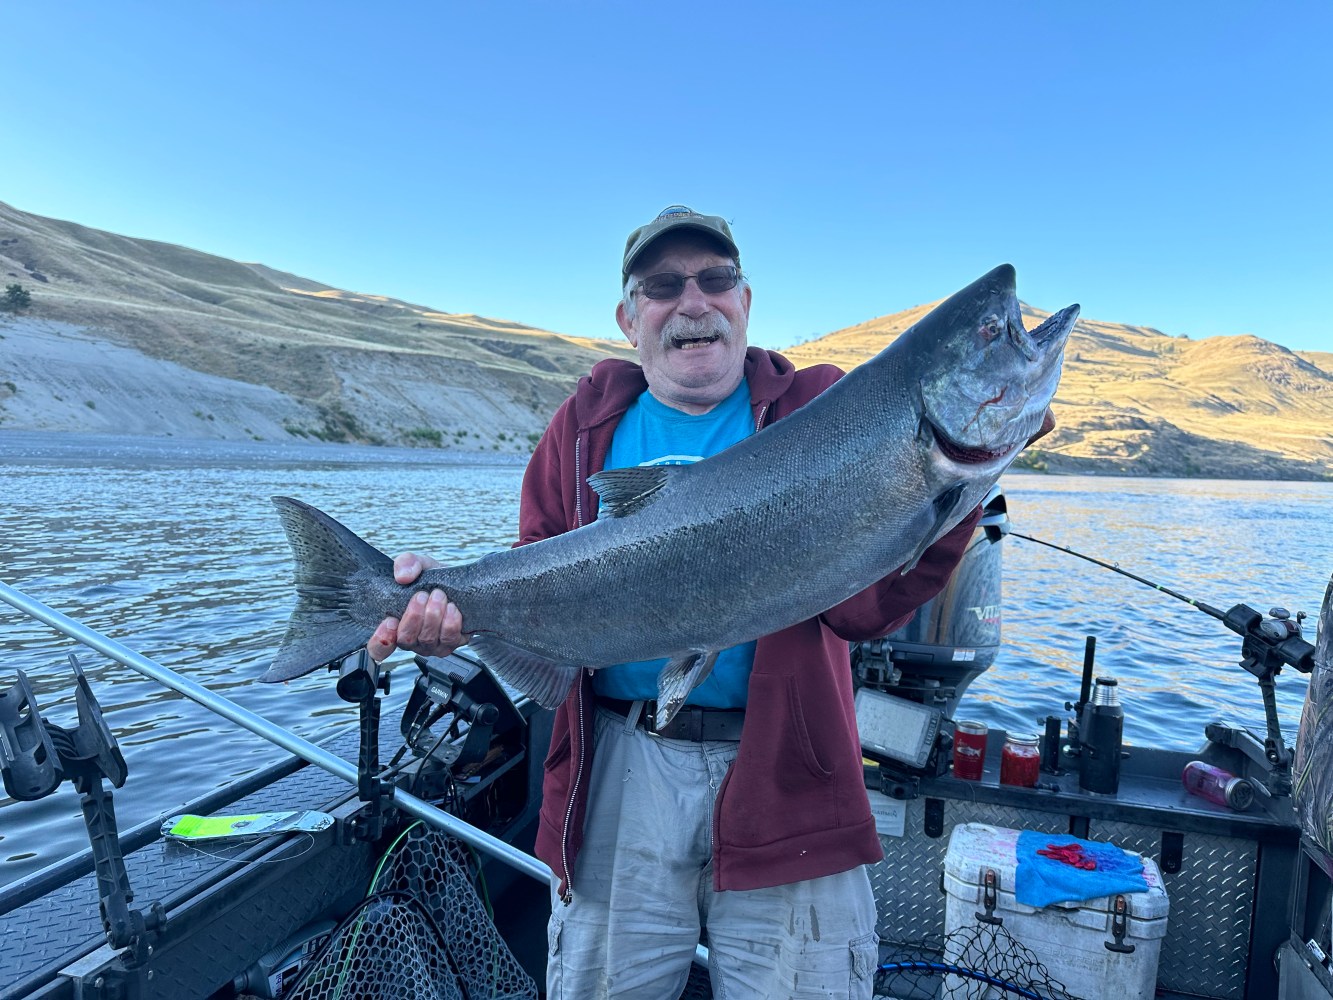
<point x="977" y="962"/>
<point x="423" y="933"/>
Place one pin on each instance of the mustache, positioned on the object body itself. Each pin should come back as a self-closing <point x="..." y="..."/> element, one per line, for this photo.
<point x="680" y="328"/>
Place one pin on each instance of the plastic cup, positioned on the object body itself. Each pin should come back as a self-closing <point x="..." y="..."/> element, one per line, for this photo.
<point x="969" y="750"/>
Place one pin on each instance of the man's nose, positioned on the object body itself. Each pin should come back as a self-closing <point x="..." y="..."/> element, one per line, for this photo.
<point x="693" y="301"/>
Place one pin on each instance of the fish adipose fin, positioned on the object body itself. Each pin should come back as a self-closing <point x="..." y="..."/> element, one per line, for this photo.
<point x="544" y="681"/>
<point x="944" y="505"/>
<point x="623" y="491"/>
<point x="677" y="679"/>
<point x="321" y="629"/>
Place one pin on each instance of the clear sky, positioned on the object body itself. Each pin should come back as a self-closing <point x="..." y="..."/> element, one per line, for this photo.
<point x="1163" y="163"/>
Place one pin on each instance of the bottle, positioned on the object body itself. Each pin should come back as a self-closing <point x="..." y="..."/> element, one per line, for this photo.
<point x="1100" y="732"/>
<point x="1216" y="785"/>
<point x="1020" y="760"/>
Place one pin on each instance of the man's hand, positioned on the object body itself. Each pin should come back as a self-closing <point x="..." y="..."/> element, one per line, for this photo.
<point x="431" y="625"/>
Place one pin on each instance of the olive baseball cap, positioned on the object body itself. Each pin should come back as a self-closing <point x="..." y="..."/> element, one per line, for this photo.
<point x="671" y="218"/>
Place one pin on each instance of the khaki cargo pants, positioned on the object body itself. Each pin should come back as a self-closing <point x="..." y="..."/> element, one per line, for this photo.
<point x="642" y="892"/>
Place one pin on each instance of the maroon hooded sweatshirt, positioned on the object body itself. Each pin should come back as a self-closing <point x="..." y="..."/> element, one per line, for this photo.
<point x="794" y="805"/>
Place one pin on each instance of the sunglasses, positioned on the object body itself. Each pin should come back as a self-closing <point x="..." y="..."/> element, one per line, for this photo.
<point x="671" y="284"/>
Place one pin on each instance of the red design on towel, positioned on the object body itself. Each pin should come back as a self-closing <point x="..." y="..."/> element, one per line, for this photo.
<point x="1069" y="854"/>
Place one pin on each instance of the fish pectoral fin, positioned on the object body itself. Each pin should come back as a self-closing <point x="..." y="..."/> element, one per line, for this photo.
<point x="545" y="681"/>
<point x="623" y="491"/>
<point x="944" y="506"/>
<point x="677" y="679"/>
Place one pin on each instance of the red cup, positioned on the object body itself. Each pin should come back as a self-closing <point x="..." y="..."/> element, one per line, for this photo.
<point x="969" y="750"/>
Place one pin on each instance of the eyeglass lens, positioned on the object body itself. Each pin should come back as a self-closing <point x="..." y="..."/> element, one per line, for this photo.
<point x="670" y="284"/>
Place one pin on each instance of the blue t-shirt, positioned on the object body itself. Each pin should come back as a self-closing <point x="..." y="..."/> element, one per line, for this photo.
<point x="652" y="433"/>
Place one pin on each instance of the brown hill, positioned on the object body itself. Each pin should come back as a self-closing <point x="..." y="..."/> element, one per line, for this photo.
<point x="137" y="336"/>
<point x="1136" y="401"/>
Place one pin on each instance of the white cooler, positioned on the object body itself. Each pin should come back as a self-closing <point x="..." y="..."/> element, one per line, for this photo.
<point x="1070" y="939"/>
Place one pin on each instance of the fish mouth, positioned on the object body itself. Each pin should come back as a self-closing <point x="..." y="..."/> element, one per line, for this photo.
<point x="962" y="454"/>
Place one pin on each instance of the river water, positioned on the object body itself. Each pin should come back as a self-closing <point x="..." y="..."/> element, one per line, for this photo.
<point x="172" y="548"/>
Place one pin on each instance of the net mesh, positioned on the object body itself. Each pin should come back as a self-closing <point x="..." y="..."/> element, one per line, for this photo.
<point x="976" y="962"/>
<point x="423" y="933"/>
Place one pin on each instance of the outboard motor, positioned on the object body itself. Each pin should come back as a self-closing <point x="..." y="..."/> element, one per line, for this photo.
<point x="955" y="637"/>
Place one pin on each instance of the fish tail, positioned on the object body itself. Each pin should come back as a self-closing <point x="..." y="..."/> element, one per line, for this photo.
<point x="322" y="628"/>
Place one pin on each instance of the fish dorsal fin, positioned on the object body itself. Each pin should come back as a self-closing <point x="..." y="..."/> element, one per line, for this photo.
<point x="623" y="491"/>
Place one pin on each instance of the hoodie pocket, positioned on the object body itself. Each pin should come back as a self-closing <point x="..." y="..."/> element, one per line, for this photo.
<point x="778" y="787"/>
<point x="779" y="696"/>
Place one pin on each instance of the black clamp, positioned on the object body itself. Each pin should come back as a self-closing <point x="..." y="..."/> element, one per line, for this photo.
<point x="37" y="755"/>
<point x="360" y="682"/>
<point x="463" y="689"/>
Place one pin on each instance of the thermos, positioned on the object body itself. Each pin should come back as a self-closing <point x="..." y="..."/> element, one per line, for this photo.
<point x="1100" y="732"/>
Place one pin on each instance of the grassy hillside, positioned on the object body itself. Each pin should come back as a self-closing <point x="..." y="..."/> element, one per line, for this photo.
<point x="1136" y="401"/>
<point x="357" y="366"/>
<point x="135" y="336"/>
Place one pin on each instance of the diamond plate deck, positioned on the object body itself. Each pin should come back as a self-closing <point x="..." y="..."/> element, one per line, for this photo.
<point x="907" y="882"/>
<point x="65" y="923"/>
<point x="1207" y="944"/>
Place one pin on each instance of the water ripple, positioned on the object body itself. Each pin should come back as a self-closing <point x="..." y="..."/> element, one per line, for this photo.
<point x="174" y="549"/>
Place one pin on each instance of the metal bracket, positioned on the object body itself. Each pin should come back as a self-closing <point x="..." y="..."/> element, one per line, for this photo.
<point x="1172" y="854"/>
<point x="1119" y="927"/>
<point x="990" y="891"/>
<point x="933" y="820"/>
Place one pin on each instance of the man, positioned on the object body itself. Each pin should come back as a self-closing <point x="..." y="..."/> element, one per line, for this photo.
<point x="747" y="817"/>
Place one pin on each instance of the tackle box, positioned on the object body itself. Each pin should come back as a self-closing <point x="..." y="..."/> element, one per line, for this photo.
<point x="1104" y="948"/>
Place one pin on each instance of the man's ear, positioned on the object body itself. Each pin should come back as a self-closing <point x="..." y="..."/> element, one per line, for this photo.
<point x="628" y="327"/>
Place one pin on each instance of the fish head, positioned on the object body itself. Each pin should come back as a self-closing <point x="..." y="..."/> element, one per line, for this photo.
<point x="985" y="381"/>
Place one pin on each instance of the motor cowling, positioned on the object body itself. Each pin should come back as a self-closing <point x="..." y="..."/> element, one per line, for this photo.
<point x="955" y="636"/>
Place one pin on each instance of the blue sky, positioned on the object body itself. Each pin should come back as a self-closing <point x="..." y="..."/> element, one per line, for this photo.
<point x="1165" y="164"/>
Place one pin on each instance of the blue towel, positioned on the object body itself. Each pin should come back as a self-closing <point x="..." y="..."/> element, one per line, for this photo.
<point x="1040" y="881"/>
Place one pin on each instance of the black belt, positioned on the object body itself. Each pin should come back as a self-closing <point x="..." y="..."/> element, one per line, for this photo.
<point x="691" y="723"/>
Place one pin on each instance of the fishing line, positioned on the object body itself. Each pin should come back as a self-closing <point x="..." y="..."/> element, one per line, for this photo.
<point x="1207" y="609"/>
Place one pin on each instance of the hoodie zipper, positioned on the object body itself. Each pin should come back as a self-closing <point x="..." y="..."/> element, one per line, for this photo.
<point x="568" y="896"/>
<point x="578" y="480"/>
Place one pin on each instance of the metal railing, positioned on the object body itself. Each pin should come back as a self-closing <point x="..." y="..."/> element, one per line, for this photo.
<point x="257" y="724"/>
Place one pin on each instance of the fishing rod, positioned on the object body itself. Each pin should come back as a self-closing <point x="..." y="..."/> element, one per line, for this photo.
<point x="1207" y="609"/>
<point x="262" y="727"/>
<point x="1266" y="645"/>
<point x="1279" y="637"/>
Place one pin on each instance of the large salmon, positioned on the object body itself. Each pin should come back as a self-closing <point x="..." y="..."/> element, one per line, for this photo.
<point x="688" y="560"/>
